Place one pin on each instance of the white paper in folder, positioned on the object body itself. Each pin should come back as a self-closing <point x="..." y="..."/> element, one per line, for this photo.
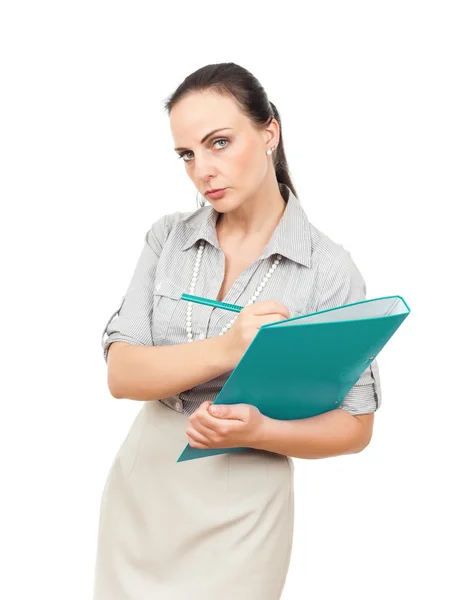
<point x="367" y="309"/>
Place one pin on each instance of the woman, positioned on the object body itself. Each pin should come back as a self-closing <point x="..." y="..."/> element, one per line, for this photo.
<point x="218" y="527"/>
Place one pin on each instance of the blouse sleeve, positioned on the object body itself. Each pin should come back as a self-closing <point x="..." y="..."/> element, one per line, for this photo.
<point x="134" y="314"/>
<point x="344" y="284"/>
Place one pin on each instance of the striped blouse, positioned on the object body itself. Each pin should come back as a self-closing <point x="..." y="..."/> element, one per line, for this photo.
<point x="315" y="273"/>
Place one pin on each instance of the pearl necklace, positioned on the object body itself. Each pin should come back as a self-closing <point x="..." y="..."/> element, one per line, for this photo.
<point x="194" y="281"/>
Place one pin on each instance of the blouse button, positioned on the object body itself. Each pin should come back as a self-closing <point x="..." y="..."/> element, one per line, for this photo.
<point x="157" y="286"/>
<point x="178" y="405"/>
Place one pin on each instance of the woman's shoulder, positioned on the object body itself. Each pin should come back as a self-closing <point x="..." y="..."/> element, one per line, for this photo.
<point x="330" y="256"/>
<point x="163" y="225"/>
<point x="325" y="248"/>
<point x="174" y="218"/>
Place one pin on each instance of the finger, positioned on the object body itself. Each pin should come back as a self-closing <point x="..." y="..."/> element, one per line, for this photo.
<point x="222" y="426"/>
<point x="270" y="306"/>
<point x="269" y="318"/>
<point x="194" y="444"/>
<point x="197" y="437"/>
<point x="199" y="414"/>
<point x="207" y="425"/>
<point x="205" y="419"/>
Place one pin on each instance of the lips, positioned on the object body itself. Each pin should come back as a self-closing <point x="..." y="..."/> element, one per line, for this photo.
<point x="215" y="190"/>
<point x="217" y="195"/>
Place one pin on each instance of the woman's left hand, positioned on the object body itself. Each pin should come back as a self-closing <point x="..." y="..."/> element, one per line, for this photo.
<point x="236" y="425"/>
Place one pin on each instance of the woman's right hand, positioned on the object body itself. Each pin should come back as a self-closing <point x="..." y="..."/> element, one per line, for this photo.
<point x="239" y="337"/>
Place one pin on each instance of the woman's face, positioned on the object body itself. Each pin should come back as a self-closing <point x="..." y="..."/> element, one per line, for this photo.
<point x="233" y="158"/>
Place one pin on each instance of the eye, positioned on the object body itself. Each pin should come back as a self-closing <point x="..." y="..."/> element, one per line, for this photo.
<point x="221" y="140"/>
<point x="183" y="154"/>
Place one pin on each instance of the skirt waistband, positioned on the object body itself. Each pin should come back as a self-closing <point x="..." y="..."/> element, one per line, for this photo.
<point x="174" y="402"/>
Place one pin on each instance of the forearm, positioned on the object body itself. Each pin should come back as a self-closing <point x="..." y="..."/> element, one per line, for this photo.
<point x="153" y="372"/>
<point x="329" y="434"/>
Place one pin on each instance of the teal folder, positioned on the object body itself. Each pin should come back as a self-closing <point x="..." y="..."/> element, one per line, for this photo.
<point x="305" y="365"/>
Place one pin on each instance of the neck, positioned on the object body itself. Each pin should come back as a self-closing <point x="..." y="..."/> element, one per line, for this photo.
<point x="258" y="215"/>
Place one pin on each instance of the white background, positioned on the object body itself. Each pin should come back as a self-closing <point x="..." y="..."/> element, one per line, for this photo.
<point x="87" y="165"/>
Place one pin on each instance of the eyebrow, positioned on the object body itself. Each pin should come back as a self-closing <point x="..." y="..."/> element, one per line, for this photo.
<point x="205" y="137"/>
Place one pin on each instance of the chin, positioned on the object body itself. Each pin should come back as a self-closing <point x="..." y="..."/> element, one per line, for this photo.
<point x="224" y="207"/>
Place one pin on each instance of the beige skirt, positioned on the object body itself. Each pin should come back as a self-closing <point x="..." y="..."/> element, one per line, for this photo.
<point x="213" y="528"/>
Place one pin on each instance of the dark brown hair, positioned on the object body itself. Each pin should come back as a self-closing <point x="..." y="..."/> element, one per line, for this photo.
<point x="233" y="80"/>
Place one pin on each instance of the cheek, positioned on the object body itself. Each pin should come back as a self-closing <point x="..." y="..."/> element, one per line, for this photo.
<point x="246" y="161"/>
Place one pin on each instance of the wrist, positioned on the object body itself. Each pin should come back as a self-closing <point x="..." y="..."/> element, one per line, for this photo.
<point x="229" y="358"/>
<point x="263" y="433"/>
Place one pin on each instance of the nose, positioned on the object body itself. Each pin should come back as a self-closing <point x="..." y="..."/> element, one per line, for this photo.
<point x="204" y="167"/>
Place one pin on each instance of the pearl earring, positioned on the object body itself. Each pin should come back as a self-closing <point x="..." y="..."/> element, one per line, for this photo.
<point x="269" y="152"/>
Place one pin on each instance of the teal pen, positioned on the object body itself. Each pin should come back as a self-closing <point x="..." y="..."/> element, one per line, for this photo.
<point x="210" y="302"/>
